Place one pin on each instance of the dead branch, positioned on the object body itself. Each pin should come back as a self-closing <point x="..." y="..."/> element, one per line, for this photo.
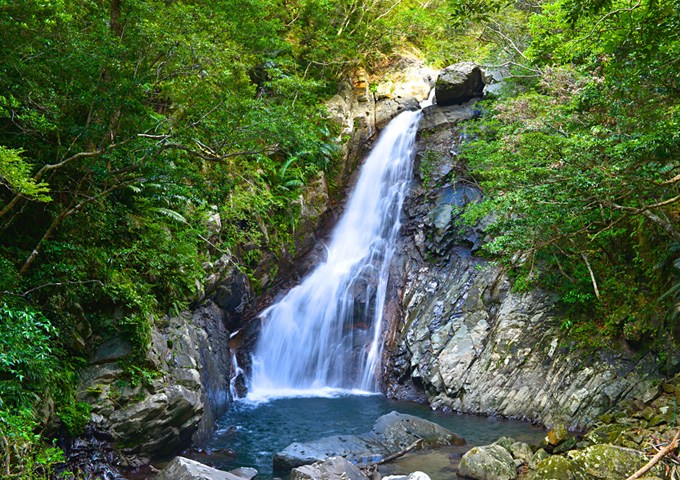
<point x="394" y="456"/>
<point x="656" y="458"/>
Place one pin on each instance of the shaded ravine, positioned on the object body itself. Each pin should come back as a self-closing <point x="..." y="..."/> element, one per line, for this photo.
<point x="325" y="332"/>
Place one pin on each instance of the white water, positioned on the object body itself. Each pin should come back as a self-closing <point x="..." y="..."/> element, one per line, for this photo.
<point x="324" y="336"/>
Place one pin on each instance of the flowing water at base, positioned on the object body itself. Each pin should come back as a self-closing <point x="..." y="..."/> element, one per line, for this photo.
<point x="256" y="431"/>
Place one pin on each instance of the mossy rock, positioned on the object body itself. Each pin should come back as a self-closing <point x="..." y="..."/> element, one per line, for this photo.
<point x="558" y="468"/>
<point x="608" y="461"/>
<point x="605" y="434"/>
<point x="538" y="457"/>
<point x="569" y="444"/>
<point x="557" y="435"/>
<point x="491" y="462"/>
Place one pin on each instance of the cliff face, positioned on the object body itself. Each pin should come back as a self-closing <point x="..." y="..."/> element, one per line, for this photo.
<point x="460" y="335"/>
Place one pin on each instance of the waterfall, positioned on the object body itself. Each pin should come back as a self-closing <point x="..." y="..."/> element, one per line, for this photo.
<point x="326" y="332"/>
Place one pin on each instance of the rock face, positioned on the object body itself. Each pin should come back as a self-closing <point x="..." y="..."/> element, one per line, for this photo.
<point x="185" y="469"/>
<point x="459" y="83"/>
<point x="391" y="433"/>
<point x="154" y="416"/>
<point x="463" y="335"/>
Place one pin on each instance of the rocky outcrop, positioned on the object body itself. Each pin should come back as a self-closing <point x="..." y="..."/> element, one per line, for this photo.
<point x="155" y="414"/>
<point x="464" y="335"/>
<point x="391" y="433"/>
<point x="459" y="83"/>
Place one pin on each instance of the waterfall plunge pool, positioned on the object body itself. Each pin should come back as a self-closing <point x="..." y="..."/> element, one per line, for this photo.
<point x="256" y="431"/>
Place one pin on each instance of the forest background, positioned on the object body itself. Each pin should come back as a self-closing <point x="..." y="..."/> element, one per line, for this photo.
<point x="126" y="124"/>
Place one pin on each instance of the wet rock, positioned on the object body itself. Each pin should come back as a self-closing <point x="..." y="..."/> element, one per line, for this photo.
<point x="334" y="468"/>
<point x="410" y="476"/>
<point x="491" y="462"/>
<point x="245" y="472"/>
<point x="459" y="83"/>
<point x="391" y="433"/>
<point x="185" y="469"/>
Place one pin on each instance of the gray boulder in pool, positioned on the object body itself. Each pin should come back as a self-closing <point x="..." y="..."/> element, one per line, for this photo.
<point x="391" y="433"/>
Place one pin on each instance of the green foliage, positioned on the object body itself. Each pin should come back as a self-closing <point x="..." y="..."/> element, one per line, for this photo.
<point x="23" y="455"/>
<point x="15" y="175"/>
<point x="582" y="167"/>
<point x="28" y="364"/>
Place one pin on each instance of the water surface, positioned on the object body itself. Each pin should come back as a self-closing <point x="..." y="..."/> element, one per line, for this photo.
<point x="256" y="431"/>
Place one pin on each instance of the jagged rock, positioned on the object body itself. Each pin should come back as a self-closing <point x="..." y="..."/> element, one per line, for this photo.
<point x="459" y="83"/>
<point x="391" y="433"/>
<point x="437" y="117"/>
<point x="493" y="79"/>
<point x="334" y="468"/>
<point x="474" y="344"/>
<point x="491" y="462"/>
<point x="185" y="469"/>
<point x="604" y="434"/>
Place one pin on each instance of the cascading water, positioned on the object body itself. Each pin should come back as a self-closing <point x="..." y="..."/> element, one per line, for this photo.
<point x="325" y="333"/>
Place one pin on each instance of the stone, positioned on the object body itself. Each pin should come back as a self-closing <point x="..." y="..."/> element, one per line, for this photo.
<point x="491" y="462"/>
<point x="537" y="458"/>
<point x="245" y="472"/>
<point x="557" y="468"/>
<point x="521" y="451"/>
<point x="334" y="468"/>
<point x="565" y="446"/>
<point x="604" y="434"/>
<point x="391" y="433"/>
<point x="181" y="468"/>
<point x="608" y="461"/>
<point x="459" y="83"/>
<point x="112" y="350"/>
<point x="557" y="435"/>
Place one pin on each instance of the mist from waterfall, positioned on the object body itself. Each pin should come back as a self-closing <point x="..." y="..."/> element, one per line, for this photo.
<point x="325" y="334"/>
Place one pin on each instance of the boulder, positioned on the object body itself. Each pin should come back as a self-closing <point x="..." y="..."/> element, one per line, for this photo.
<point x="556" y="435"/>
<point x="446" y="116"/>
<point x="334" y="468"/>
<point x="537" y="458"/>
<point x="491" y="462"/>
<point x="185" y="469"/>
<point x="391" y="433"/>
<point x="557" y="468"/>
<point x="521" y="451"/>
<point x="459" y="83"/>
<point x="609" y="461"/>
